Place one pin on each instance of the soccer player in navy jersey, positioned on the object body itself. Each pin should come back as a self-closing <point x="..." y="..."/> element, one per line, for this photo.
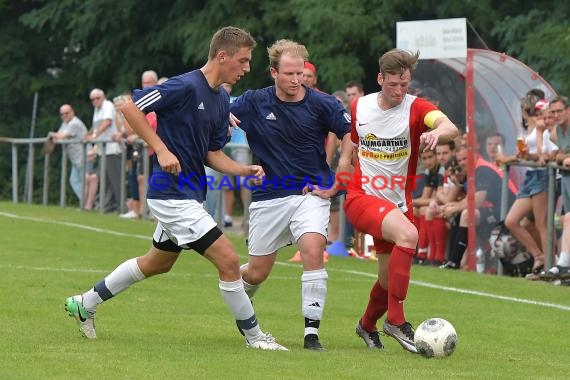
<point x="193" y="114"/>
<point x="286" y="125"/>
<point x="387" y="129"/>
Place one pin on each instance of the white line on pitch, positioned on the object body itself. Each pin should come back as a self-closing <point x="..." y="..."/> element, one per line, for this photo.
<point x="68" y="224"/>
<point x="371" y="275"/>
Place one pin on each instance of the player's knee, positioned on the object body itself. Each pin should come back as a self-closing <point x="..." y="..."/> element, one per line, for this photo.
<point x="256" y="274"/>
<point x="407" y="237"/>
<point x="229" y="266"/>
<point x="313" y="259"/>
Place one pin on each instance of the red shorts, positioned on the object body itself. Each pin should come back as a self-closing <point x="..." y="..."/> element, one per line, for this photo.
<point x="367" y="212"/>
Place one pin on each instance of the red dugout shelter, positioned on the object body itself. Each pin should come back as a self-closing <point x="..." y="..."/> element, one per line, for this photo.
<point x="480" y="94"/>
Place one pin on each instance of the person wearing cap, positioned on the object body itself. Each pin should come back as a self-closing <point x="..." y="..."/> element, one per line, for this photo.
<point x="310" y="75"/>
<point x="533" y="194"/>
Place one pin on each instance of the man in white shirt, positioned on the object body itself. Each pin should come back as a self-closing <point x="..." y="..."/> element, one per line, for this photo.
<point x="103" y="129"/>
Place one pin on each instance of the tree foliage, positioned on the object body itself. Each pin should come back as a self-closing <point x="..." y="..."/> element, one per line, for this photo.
<point x="541" y="39"/>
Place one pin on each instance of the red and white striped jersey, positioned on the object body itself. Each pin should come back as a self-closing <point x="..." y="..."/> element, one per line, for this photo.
<point x="388" y="147"/>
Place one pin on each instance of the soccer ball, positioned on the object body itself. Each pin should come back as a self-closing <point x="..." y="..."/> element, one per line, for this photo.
<point x="435" y="337"/>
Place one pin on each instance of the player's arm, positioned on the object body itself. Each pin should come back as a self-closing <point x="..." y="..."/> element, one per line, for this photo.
<point x="138" y="122"/>
<point x="341" y="124"/>
<point x="346" y="155"/>
<point x="330" y="149"/>
<point x="442" y="129"/>
<point x="344" y="166"/>
<point x="219" y="161"/>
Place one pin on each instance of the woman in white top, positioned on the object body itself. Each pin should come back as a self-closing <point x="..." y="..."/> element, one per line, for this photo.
<point x="533" y="196"/>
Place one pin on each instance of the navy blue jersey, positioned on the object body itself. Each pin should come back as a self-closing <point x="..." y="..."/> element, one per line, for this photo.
<point x="289" y="138"/>
<point x="433" y="178"/>
<point x="193" y="118"/>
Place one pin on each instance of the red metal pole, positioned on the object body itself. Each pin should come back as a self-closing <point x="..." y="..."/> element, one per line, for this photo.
<point x="471" y="149"/>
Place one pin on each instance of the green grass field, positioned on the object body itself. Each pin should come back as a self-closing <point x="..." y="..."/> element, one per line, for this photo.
<point x="176" y="326"/>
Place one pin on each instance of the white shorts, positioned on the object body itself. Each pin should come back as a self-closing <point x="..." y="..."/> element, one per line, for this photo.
<point x="276" y="223"/>
<point x="182" y="221"/>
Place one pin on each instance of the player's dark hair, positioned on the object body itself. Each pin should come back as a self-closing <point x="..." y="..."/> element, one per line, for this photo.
<point x="230" y="39"/>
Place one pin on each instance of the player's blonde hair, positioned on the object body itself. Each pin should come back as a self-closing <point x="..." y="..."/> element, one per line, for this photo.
<point x="289" y="47"/>
<point x="230" y="39"/>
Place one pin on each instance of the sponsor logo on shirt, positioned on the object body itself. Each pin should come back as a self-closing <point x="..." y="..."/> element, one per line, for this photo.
<point x="388" y="149"/>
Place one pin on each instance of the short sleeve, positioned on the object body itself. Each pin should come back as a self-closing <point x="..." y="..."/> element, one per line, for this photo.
<point x="156" y="98"/>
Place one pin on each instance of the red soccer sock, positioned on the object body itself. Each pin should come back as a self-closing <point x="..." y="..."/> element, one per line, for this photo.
<point x="398" y="282"/>
<point x="432" y="238"/>
<point x="377" y="306"/>
<point x="441" y="232"/>
<point x="422" y="237"/>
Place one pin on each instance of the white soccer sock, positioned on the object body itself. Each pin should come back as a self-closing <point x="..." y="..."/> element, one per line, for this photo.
<point x="564" y="259"/>
<point x="250" y="289"/>
<point x="118" y="280"/>
<point x="313" y="294"/>
<point x="240" y="306"/>
<point x="91" y="299"/>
